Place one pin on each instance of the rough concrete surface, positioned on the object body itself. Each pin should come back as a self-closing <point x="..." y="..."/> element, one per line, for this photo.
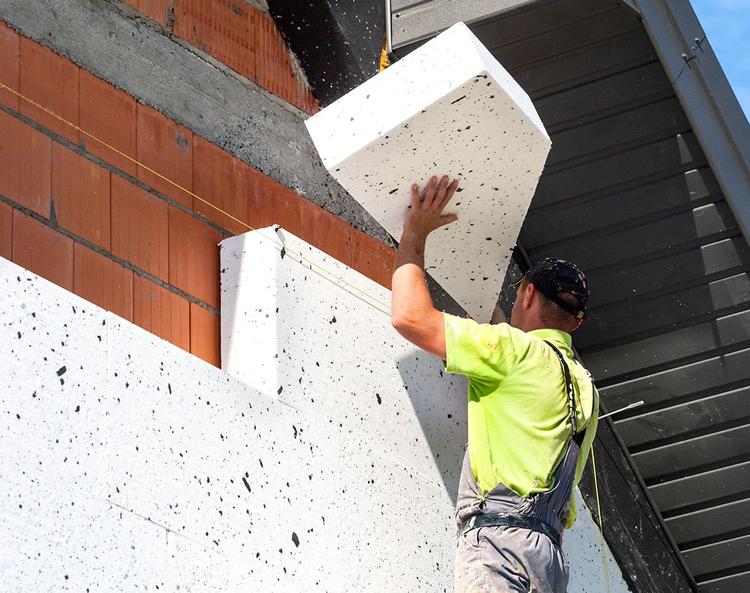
<point x="120" y="46"/>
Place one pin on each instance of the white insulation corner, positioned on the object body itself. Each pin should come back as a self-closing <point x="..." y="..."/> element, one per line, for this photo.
<point x="327" y="463"/>
<point x="448" y="108"/>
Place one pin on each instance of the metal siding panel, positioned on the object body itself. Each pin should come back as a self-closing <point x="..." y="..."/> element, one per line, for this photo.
<point x="668" y="273"/>
<point x="540" y="18"/>
<point x="710" y="103"/>
<point x="721" y="556"/>
<point x="634" y="166"/>
<point x="586" y="64"/>
<point x="663" y="313"/>
<point x="399" y="5"/>
<point x="700" y="490"/>
<point x="618" y="92"/>
<point x="662" y="235"/>
<point x="560" y="39"/>
<point x="732" y="583"/>
<point x="704" y="525"/>
<point x="710" y="375"/>
<point x="574" y="218"/>
<point x="692" y="455"/>
<point x="705" y="414"/>
<point x="670" y="347"/>
<point x="423" y="20"/>
<point x="580" y="140"/>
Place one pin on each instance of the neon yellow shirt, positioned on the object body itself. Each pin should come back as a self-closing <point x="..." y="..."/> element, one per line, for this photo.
<point x="518" y="412"/>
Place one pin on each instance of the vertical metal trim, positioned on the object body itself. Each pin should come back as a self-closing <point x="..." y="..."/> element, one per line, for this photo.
<point x="706" y="96"/>
<point x="388" y="35"/>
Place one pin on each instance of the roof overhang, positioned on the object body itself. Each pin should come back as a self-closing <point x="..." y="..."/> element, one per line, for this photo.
<point x="706" y="96"/>
<point x="684" y="51"/>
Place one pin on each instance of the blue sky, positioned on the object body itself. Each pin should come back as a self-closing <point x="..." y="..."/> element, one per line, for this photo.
<point x="727" y="25"/>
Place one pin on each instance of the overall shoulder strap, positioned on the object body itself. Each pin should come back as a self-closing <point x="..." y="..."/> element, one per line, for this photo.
<point x="570" y="392"/>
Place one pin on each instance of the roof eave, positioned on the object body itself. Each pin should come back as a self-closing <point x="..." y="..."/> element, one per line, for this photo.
<point x="706" y="96"/>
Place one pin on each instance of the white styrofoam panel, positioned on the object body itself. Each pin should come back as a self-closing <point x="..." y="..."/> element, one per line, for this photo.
<point x="227" y="453"/>
<point x="245" y="350"/>
<point x="90" y="547"/>
<point x="50" y="390"/>
<point x="448" y="108"/>
<point x="199" y="569"/>
<point x="336" y="355"/>
<point x="130" y="474"/>
<point x="403" y="524"/>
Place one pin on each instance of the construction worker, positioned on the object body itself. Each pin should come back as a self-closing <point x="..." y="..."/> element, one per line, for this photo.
<point x="532" y="410"/>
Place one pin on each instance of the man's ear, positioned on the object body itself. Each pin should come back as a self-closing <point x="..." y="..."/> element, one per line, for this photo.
<point x="528" y="295"/>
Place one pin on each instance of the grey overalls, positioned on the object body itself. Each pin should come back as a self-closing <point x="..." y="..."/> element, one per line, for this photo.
<point x="510" y="543"/>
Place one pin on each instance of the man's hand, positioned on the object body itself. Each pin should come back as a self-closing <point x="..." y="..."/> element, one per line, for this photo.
<point x="426" y="210"/>
<point x="412" y="313"/>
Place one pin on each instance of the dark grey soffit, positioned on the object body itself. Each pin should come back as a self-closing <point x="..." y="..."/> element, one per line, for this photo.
<point x="684" y="51"/>
<point x="706" y="96"/>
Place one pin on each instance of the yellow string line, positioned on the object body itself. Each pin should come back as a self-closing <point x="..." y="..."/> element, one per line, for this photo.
<point x="603" y="543"/>
<point x="331" y="276"/>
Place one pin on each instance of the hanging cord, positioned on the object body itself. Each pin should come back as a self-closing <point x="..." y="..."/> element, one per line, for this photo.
<point x="602" y="541"/>
<point x="324" y="272"/>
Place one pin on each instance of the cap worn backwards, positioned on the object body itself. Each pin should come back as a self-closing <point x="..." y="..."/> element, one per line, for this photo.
<point x="553" y="276"/>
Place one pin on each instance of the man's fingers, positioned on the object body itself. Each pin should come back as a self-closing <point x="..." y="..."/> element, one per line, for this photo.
<point x="447" y="219"/>
<point x="451" y="189"/>
<point x="429" y="191"/>
<point x="434" y="195"/>
<point x="440" y="192"/>
<point x="414" y="195"/>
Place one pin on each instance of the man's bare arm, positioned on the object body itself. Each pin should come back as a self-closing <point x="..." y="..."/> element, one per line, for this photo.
<point x="413" y="313"/>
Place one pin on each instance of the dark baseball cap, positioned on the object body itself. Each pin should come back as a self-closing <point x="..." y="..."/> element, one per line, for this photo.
<point x="554" y="276"/>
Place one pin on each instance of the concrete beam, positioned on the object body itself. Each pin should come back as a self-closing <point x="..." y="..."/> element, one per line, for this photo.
<point x="134" y="54"/>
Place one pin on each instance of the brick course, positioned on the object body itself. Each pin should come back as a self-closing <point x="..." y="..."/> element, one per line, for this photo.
<point x="115" y="210"/>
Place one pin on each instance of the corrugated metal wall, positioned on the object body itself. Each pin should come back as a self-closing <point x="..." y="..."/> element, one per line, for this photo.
<point x="628" y="194"/>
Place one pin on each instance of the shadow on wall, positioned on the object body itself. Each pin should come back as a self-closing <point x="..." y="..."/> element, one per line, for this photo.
<point x="441" y="415"/>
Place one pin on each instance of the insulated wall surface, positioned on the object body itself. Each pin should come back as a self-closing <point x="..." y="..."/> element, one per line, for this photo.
<point x="130" y="465"/>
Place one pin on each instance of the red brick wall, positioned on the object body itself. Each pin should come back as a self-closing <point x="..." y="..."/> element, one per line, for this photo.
<point x="236" y="34"/>
<point x="115" y="233"/>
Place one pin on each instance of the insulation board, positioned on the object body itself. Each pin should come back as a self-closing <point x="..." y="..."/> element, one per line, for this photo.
<point x="448" y="108"/>
<point x="130" y="465"/>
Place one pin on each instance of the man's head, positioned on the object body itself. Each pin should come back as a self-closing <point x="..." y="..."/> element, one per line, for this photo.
<point x="554" y="294"/>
